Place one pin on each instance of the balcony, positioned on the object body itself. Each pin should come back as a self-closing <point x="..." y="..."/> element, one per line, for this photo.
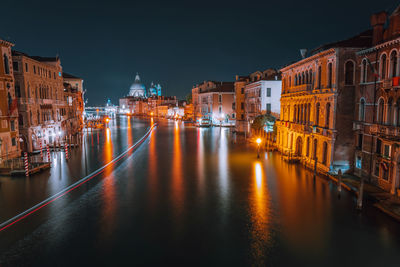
<point x="299" y="88"/>
<point x="391" y="83"/>
<point x="358" y="126"/>
<point x="385" y="130"/>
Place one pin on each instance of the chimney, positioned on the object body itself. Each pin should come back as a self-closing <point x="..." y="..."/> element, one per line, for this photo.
<point x="377" y="22"/>
<point x="303" y="53"/>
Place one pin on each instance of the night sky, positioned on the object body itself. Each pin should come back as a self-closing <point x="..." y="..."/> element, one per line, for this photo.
<point x="176" y="44"/>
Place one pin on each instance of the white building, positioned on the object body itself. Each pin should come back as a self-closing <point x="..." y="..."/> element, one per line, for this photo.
<point x="263" y="97"/>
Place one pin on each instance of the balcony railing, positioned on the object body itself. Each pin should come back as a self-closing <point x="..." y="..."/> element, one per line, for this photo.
<point x="391" y="82"/>
<point x="387" y="130"/>
<point x="299" y="88"/>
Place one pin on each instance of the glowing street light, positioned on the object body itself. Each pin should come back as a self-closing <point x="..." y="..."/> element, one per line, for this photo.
<point x="258" y="141"/>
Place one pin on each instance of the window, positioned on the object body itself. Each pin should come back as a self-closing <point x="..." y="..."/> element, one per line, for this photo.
<point x="376" y="172"/>
<point x="268" y="92"/>
<point x="386" y="151"/>
<point x="364" y="71"/>
<point x="327" y="114"/>
<point x="358" y="162"/>
<point x="6" y="65"/>
<point x="380" y="110"/>
<point x="308" y="147"/>
<point x="315" y="149"/>
<point x="361" y="111"/>
<point x="242" y="90"/>
<point x="325" y="153"/>
<point x="26" y="67"/>
<point x="220" y="110"/>
<point x="317" y="114"/>
<point x="330" y="75"/>
<point x="389" y="112"/>
<point x="15" y="66"/>
<point x="17" y="90"/>
<point x="242" y="105"/>
<point x="233" y="115"/>
<point x="319" y="77"/>
<point x="349" y="73"/>
<point x="268" y="108"/>
<point x="12" y="125"/>
<point x="220" y="98"/>
<point x="259" y="93"/>
<point x="383" y="66"/>
<point x="21" y="119"/>
<point x="359" y="141"/>
<point x="242" y="116"/>
<point x="393" y="64"/>
<point x="378" y="146"/>
<point x="385" y="171"/>
<point x="34" y="69"/>
<point x="13" y="141"/>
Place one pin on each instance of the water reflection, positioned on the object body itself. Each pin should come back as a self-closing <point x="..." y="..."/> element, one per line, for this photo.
<point x="108" y="187"/>
<point x="260" y="214"/>
<point x="177" y="193"/>
<point x="200" y="158"/>
<point x="223" y="170"/>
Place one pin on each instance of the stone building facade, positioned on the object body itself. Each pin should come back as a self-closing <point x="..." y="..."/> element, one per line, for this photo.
<point x="239" y="102"/>
<point x="41" y="100"/>
<point x="262" y="94"/>
<point x="214" y="101"/>
<point x="9" y="137"/>
<point x="317" y="106"/>
<point x="377" y="105"/>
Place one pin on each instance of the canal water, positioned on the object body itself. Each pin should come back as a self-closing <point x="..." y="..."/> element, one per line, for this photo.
<point x="187" y="196"/>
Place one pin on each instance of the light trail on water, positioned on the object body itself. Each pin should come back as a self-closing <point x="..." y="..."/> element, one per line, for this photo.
<point x="44" y="203"/>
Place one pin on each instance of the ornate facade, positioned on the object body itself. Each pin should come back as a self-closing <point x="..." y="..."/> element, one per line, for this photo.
<point x="317" y="106"/>
<point x="377" y="110"/>
<point x="9" y="139"/>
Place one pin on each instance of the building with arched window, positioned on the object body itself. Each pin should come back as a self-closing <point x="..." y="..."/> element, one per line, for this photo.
<point x="9" y="141"/>
<point x="376" y="126"/>
<point x="318" y="108"/>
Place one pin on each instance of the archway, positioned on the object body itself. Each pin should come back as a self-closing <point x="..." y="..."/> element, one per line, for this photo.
<point x="299" y="145"/>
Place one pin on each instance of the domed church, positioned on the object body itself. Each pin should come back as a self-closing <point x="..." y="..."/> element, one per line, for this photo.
<point x="137" y="88"/>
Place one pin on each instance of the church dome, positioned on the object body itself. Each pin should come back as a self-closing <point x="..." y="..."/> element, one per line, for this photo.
<point x="137" y="88"/>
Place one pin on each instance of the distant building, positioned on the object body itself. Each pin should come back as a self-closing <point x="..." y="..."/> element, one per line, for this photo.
<point x="137" y="89"/>
<point x="239" y="103"/>
<point x="214" y="101"/>
<point x="9" y="139"/>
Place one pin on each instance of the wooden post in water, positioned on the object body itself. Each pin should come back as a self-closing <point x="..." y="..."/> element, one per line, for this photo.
<point x="360" y="194"/>
<point x="339" y="181"/>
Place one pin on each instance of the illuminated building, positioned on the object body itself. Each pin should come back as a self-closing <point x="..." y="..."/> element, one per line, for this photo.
<point x="377" y="105"/>
<point x="262" y="94"/>
<point x="317" y="106"/>
<point x="41" y="100"/>
<point x="239" y="102"/>
<point x="214" y="101"/>
<point x="137" y="89"/>
<point x="9" y="140"/>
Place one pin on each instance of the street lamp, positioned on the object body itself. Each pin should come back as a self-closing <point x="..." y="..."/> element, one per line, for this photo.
<point x="258" y="141"/>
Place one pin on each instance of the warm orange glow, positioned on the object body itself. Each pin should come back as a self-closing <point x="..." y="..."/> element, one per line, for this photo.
<point x="151" y="113"/>
<point x="258" y="141"/>
<point x="108" y="188"/>
<point x="177" y="171"/>
<point x="107" y="120"/>
<point x="260" y="211"/>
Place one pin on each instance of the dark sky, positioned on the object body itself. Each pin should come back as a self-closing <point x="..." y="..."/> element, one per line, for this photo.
<point x="177" y="44"/>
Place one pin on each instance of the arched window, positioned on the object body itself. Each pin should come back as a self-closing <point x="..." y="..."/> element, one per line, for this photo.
<point x="315" y="149"/>
<point x="20" y="120"/>
<point x="307" y="78"/>
<point x="327" y="114"/>
<point x="361" y="110"/>
<point x="393" y="64"/>
<point x="381" y="104"/>
<point x="389" y="112"/>
<point x="295" y="80"/>
<point x="300" y="79"/>
<point x="6" y="64"/>
<point x="325" y="153"/>
<point x="317" y="114"/>
<point x="349" y="73"/>
<point x="330" y="75"/>
<point x="364" y="71"/>
<point x="310" y="76"/>
<point x="319" y="77"/>
<point x="383" y="66"/>
<point x="397" y="112"/>
<point x="308" y="147"/>
<point x="309" y="113"/>
<point x="290" y="81"/>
